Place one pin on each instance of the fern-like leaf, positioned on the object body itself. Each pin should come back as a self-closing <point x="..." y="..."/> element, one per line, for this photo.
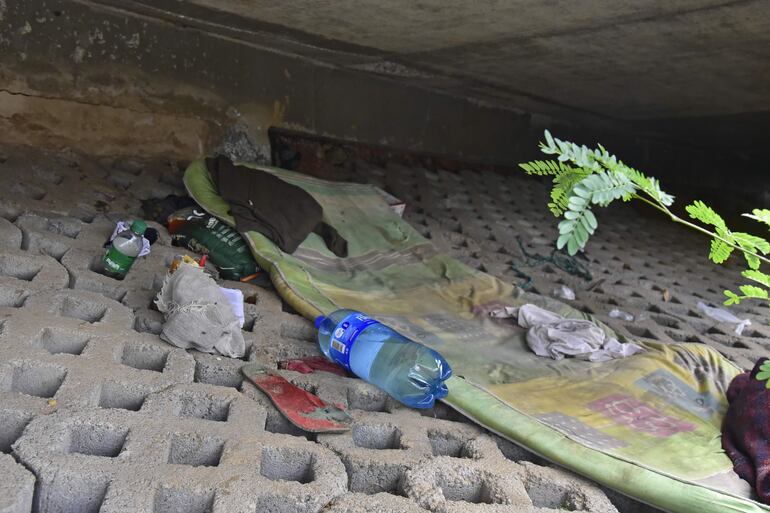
<point x="754" y="292"/>
<point x="706" y="215"/>
<point x="748" y="292"/>
<point x="579" y="221"/>
<point x="760" y="214"/>
<point x="549" y="146"/>
<point x="650" y="186"/>
<point x="657" y="193"/>
<point x="720" y="251"/>
<point x="545" y="167"/>
<point x="732" y="298"/>
<point x="757" y="276"/>
<point x="576" y="228"/>
<point x="606" y="187"/>
<point x="563" y="184"/>
<point x="752" y="261"/>
<point x="751" y="242"/>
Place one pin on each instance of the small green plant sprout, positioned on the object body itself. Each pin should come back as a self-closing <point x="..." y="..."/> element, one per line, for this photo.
<point x="585" y="178"/>
<point x="764" y="373"/>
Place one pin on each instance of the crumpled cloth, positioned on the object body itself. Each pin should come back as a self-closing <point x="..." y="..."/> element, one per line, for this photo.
<point x="552" y="335"/>
<point x="198" y="315"/>
<point x="746" y="430"/>
<point x="261" y="202"/>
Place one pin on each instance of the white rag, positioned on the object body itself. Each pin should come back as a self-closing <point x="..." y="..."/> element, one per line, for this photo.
<point x="552" y="335"/>
<point x="198" y="314"/>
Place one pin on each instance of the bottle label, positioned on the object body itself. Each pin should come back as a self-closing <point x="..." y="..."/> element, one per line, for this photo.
<point x="116" y="262"/>
<point x="345" y="335"/>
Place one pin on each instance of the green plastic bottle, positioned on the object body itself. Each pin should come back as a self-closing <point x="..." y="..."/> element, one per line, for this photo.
<point x="124" y="249"/>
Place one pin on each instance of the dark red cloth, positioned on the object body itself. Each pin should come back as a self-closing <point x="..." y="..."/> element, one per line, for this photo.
<point x="746" y="430"/>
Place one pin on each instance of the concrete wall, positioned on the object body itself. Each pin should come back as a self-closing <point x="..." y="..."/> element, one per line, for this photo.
<point x="108" y="81"/>
<point x="126" y="78"/>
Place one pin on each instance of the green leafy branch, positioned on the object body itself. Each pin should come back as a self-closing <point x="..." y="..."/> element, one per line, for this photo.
<point x="584" y="177"/>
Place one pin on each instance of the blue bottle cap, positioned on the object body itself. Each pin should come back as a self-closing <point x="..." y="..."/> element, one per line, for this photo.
<point x="318" y="321"/>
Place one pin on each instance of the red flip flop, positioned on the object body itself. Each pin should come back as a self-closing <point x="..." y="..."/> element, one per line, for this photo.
<point x="305" y="410"/>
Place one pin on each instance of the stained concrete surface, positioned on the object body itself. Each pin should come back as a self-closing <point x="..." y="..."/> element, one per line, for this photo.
<point x="632" y="61"/>
<point x="654" y="54"/>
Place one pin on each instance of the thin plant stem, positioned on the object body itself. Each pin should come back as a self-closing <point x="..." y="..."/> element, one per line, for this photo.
<point x="679" y="220"/>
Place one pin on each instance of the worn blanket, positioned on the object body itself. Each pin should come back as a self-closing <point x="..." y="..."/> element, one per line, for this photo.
<point x="647" y="425"/>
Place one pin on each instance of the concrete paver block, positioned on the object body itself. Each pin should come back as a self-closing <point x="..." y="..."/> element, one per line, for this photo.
<point x="16" y="487"/>
<point x="375" y="503"/>
<point x="556" y="489"/>
<point x="35" y="272"/>
<point x="10" y="234"/>
<point x="213" y="458"/>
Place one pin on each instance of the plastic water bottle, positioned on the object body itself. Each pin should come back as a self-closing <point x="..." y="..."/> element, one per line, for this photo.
<point x="408" y="371"/>
<point x="124" y="249"/>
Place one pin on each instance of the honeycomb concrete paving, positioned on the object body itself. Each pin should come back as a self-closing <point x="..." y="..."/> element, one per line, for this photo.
<point x="195" y="450"/>
<point x="98" y="414"/>
<point x="17" y="486"/>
